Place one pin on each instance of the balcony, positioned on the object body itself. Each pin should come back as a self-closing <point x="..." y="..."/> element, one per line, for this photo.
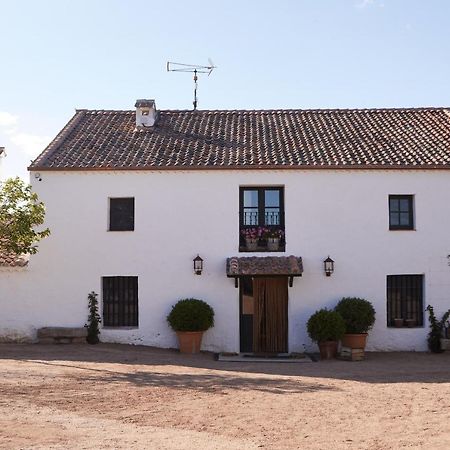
<point x="261" y="220"/>
<point x="269" y="238"/>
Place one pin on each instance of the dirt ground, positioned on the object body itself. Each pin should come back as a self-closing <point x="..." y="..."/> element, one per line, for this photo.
<point x="114" y="396"/>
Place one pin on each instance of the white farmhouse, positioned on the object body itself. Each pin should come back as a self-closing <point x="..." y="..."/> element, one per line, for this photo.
<point x="133" y="197"/>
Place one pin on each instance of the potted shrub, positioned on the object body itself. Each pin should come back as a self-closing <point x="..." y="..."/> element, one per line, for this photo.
<point x="359" y="317"/>
<point x="438" y="330"/>
<point x="190" y="318"/>
<point x="273" y="237"/>
<point x="326" y="328"/>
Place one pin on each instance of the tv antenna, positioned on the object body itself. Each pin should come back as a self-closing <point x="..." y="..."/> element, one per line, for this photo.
<point x="191" y="68"/>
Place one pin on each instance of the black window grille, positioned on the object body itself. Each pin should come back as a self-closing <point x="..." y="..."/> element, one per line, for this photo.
<point x="121" y="214"/>
<point x="401" y="216"/>
<point x="261" y="207"/>
<point x="120" y="301"/>
<point x="405" y="300"/>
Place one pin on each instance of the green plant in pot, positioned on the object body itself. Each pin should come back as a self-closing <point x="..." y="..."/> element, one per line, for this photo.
<point x="94" y="320"/>
<point x="359" y="317"/>
<point x="437" y="329"/>
<point x="190" y="318"/>
<point x="326" y="328"/>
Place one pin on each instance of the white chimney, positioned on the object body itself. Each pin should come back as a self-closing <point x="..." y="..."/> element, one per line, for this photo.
<point x="145" y="113"/>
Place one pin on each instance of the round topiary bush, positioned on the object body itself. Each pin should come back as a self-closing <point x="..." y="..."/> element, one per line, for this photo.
<point x="358" y="314"/>
<point x="191" y="314"/>
<point x="325" y="325"/>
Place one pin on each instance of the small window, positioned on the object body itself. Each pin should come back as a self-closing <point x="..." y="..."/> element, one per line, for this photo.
<point x="401" y="215"/>
<point x="405" y="300"/>
<point x="121" y="214"/>
<point x="120" y="301"/>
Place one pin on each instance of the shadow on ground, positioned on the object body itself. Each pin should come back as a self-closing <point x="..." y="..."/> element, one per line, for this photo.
<point x="206" y="382"/>
<point x="396" y="367"/>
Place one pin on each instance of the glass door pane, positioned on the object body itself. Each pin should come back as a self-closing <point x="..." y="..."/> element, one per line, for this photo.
<point x="272" y="207"/>
<point x="250" y="207"/>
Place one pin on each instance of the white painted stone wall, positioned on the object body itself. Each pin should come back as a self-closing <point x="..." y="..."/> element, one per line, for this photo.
<point x="343" y="214"/>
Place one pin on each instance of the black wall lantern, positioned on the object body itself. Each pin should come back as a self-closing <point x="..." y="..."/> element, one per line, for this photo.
<point x="328" y="266"/>
<point x="198" y="265"/>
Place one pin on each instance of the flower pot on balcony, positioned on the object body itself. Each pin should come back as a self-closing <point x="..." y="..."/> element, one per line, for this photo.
<point x="273" y="244"/>
<point x="398" y="323"/>
<point x="410" y="323"/>
<point x="251" y="244"/>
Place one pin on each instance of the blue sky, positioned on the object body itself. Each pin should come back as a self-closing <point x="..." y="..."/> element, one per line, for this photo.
<point x="58" y="55"/>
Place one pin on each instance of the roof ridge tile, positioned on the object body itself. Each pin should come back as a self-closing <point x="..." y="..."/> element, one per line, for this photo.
<point x="273" y="111"/>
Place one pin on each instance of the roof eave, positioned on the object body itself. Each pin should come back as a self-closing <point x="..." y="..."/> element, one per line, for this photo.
<point x="248" y="167"/>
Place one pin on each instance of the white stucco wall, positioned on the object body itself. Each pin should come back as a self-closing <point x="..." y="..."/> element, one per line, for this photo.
<point x="178" y="214"/>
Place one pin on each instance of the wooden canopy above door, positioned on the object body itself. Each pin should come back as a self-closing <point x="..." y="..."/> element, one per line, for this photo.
<point x="266" y="266"/>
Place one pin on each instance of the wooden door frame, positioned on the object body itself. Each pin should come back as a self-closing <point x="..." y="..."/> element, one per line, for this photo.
<point x="241" y="288"/>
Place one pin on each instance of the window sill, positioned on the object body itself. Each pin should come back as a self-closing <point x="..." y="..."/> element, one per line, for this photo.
<point x="120" y="328"/>
<point x="244" y="249"/>
<point x="402" y="229"/>
<point x="405" y="327"/>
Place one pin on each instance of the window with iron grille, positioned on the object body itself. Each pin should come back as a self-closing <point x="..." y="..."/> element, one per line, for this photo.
<point x="121" y="214"/>
<point x="401" y="216"/>
<point x="261" y="208"/>
<point x="120" y="301"/>
<point x="404" y="300"/>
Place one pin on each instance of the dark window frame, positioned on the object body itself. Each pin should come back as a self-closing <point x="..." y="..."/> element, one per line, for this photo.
<point x="261" y="215"/>
<point x="405" y="299"/>
<point x="116" y="223"/>
<point x="410" y="199"/>
<point x="120" y="302"/>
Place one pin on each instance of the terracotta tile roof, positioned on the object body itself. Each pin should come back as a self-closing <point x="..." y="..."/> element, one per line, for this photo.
<point x="265" y="265"/>
<point x="372" y="138"/>
<point x="12" y="260"/>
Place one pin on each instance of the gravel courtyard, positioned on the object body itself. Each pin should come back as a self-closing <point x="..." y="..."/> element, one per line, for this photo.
<point x="115" y="396"/>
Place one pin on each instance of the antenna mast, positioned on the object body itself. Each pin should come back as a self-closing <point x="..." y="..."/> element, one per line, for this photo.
<point x="191" y="68"/>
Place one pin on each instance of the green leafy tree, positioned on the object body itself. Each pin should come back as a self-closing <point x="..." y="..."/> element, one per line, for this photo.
<point x="20" y="213"/>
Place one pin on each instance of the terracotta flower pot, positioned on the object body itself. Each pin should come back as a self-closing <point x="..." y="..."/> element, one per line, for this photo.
<point x="251" y="244"/>
<point x="354" y="340"/>
<point x="273" y="244"/>
<point x="190" y="341"/>
<point x="328" y="349"/>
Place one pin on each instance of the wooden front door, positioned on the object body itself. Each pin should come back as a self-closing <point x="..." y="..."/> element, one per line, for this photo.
<point x="264" y="314"/>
